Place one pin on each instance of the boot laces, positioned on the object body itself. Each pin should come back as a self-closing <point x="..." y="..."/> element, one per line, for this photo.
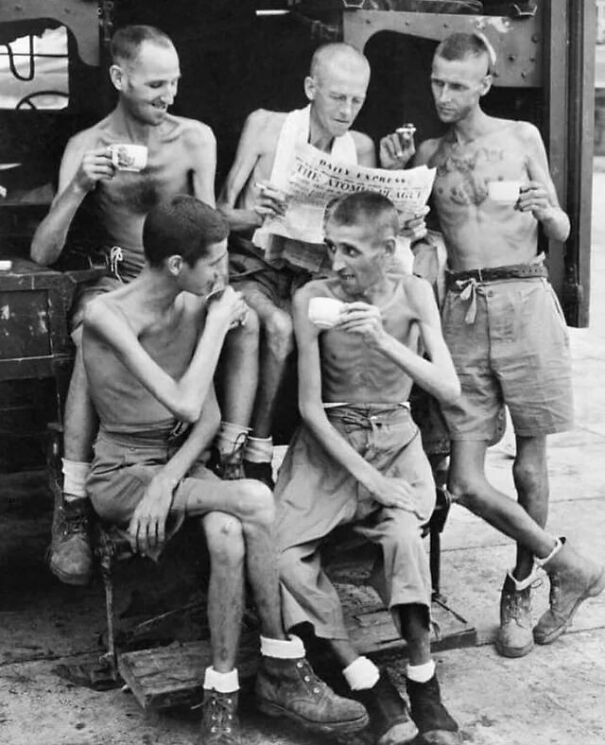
<point x="314" y="685"/>
<point x="75" y="524"/>
<point x="231" y="462"/>
<point x="218" y="711"/>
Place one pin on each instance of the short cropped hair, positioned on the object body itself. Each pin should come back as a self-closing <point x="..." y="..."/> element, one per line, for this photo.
<point x="363" y="207"/>
<point x="182" y="225"/>
<point x="459" y="46"/>
<point x="326" y="52"/>
<point x="126" y="42"/>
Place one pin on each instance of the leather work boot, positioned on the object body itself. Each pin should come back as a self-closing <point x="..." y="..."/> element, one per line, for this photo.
<point x="435" y="725"/>
<point x="220" y="723"/>
<point x="70" y="549"/>
<point x="228" y="465"/>
<point x="290" y="688"/>
<point x="261" y="472"/>
<point x="572" y="579"/>
<point x="514" y="638"/>
<point x="389" y="715"/>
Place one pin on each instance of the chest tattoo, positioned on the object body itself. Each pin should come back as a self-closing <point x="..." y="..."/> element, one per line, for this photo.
<point x="462" y="178"/>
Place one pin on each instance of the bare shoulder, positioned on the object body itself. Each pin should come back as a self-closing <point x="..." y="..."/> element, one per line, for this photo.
<point x="102" y="308"/>
<point x="263" y="127"/>
<point x="363" y="144"/>
<point x="315" y="288"/>
<point x="426" y="151"/>
<point x="419" y="294"/>
<point x="194" y="133"/>
<point x="90" y="137"/>
<point x="527" y="133"/>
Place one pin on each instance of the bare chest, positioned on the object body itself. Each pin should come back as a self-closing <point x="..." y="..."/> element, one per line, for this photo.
<point x="167" y="173"/>
<point x="463" y="174"/>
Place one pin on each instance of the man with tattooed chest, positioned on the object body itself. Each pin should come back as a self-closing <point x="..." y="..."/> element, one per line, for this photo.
<point x="505" y="330"/>
<point x="119" y="168"/>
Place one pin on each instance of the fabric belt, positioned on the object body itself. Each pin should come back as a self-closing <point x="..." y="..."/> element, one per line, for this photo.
<point x="468" y="283"/>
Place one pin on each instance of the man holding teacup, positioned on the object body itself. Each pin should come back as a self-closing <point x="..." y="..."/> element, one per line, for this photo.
<point x="357" y="458"/>
<point x="120" y="167"/>
<point x="505" y="329"/>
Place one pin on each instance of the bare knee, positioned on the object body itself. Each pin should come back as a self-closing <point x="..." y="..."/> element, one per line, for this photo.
<point x="289" y="565"/>
<point x="467" y="491"/>
<point x="224" y="537"/>
<point x="279" y="333"/>
<point x="257" y="507"/>
<point x="529" y="476"/>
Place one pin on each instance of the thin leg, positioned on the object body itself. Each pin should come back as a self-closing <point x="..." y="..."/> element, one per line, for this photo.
<point x="468" y="485"/>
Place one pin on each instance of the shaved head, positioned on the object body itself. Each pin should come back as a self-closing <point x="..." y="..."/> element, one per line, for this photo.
<point x="338" y="54"/>
<point x="364" y="208"/>
<point x="461" y="46"/>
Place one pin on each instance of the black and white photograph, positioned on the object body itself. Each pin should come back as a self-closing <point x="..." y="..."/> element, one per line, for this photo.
<point x="302" y="432"/>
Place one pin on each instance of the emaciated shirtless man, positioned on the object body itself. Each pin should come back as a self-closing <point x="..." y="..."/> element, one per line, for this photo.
<point x="358" y="459"/>
<point x="181" y="159"/>
<point x="268" y="274"/>
<point x="150" y="351"/>
<point x="505" y="330"/>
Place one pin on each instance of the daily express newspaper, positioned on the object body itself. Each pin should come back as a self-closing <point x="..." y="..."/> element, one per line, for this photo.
<point x="316" y="178"/>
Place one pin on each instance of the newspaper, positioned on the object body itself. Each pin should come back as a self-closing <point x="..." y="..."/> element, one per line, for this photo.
<point x="316" y="178"/>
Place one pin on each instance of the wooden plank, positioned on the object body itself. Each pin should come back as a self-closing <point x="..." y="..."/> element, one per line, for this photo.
<point x="171" y="676"/>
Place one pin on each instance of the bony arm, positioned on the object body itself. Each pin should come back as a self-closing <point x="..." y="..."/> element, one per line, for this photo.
<point x="183" y="397"/>
<point x="246" y="157"/>
<point x="201" y="151"/>
<point x="82" y="167"/>
<point x="539" y="195"/>
<point x="391" y="492"/>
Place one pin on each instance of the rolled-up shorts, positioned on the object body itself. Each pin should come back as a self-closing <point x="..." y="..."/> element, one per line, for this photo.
<point x="251" y="274"/>
<point x="121" y="267"/>
<point x="515" y="352"/>
<point x="315" y="494"/>
<point x="122" y="468"/>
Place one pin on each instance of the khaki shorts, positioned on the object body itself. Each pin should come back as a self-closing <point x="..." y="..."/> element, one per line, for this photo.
<point x="122" y="468"/>
<point x="315" y="494"/>
<point x="251" y="274"/>
<point x="514" y="352"/>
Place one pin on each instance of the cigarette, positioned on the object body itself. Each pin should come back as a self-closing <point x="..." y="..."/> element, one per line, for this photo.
<point x="260" y="187"/>
<point x="407" y="130"/>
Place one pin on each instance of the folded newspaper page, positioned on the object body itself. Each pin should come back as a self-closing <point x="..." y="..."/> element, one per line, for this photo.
<point x="316" y="179"/>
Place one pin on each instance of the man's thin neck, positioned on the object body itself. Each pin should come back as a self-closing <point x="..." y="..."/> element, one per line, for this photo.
<point x="158" y="291"/>
<point x="471" y="127"/>
<point x="318" y="137"/>
<point x="135" y="131"/>
<point x="375" y="294"/>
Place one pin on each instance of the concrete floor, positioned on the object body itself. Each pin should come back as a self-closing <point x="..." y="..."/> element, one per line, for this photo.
<point x="554" y="696"/>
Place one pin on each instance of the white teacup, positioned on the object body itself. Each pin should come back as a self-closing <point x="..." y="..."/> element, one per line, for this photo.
<point x="128" y="157"/>
<point x="506" y="192"/>
<point x="325" y="312"/>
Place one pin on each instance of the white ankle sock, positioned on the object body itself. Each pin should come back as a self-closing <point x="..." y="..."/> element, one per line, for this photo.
<point x="421" y="673"/>
<point x="523" y="584"/>
<point x="230" y="437"/>
<point x="221" y="682"/>
<point x="361" y="674"/>
<point x="552" y="554"/>
<point x="258" y="449"/>
<point x="75" y="474"/>
<point x="282" y="649"/>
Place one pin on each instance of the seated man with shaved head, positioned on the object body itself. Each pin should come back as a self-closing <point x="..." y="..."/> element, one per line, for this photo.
<point x="269" y="274"/>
